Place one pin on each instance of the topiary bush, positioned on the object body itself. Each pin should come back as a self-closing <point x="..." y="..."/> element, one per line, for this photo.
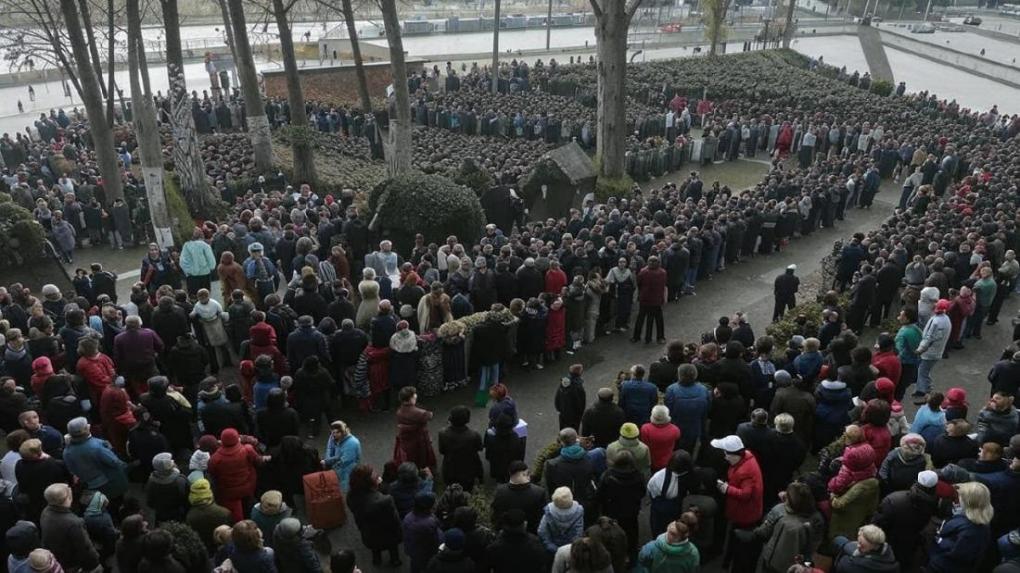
<point x="432" y="205"/>
<point x="470" y="175"/>
<point x="619" y="188"/>
<point x="881" y="87"/>
<point x="21" y="236"/>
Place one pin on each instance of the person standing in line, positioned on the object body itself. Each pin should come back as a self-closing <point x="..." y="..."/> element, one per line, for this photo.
<point x="785" y="289"/>
<point x="651" y="282"/>
<point x="197" y="262"/>
<point x="933" y="346"/>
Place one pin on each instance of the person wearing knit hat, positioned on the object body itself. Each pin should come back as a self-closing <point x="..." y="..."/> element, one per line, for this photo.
<point x="628" y="441"/>
<point x="902" y="465"/>
<point x="43" y="561"/>
<point x="204" y="515"/>
<point x="291" y="547"/>
<point x="934" y="339"/>
<point x="955" y="404"/>
<point x="197" y="466"/>
<point x="660" y="435"/>
<point x="451" y="556"/>
<point x="270" y="511"/>
<point x="166" y="492"/>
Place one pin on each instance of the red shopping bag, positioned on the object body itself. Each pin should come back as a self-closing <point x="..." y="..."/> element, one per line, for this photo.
<point x="323" y="500"/>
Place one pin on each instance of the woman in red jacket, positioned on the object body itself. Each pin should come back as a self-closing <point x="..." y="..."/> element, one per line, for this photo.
<point x="413" y="443"/>
<point x="117" y="415"/>
<point x="555" y="330"/>
<point x="263" y="341"/>
<point x="95" y="367"/>
<point x="744" y="491"/>
<point x="661" y="436"/>
<point x="232" y="469"/>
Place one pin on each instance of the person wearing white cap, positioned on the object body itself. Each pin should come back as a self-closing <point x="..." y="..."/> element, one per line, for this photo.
<point x="785" y="289"/>
<point x="260" y="271"/>
<point x="744" y="493"/>
<point x="902" y="514"/>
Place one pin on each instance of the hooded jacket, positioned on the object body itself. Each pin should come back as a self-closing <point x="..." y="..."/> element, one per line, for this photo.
<point x="849" y="560"/>
<point x="232" y="467"/>
<point x="559" y="526"/>
<point x="903" y="515"/>
<point x="660" y="556"/>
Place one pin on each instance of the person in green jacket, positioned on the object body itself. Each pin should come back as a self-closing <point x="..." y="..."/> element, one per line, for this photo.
<point x="671" y="552"/>
<point x="908" y="338"/>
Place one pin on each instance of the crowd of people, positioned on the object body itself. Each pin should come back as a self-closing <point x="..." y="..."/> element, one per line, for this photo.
<point x="100" y="393"/>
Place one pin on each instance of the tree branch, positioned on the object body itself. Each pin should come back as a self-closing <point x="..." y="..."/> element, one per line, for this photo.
<point x="596" y="9"/>
<point x="632" y="7"/>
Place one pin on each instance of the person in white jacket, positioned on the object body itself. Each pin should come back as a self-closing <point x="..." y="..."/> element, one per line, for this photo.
<point x="933" y="344"/>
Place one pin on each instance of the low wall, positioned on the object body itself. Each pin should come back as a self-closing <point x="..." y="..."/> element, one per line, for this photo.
<point x="336" y="85"/>
<point x="960" y="60"/>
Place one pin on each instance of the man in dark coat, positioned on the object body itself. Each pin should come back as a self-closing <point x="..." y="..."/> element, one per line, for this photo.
<point x="602" y="420"/>
<point x="862" y="299"/>
<point x="849" y="260"/>
<point x="903" y="515"/>
<point x="516" y="549"/>
<point x="520" y="495"/>
<point x="676" y="260"/>
<point x="570" y="398"/>
<point x="1005" y="375"/>
<point x="64" y="533"/>
<point x="459" y="445"/>
<point x="530" y="281"/>
<point x="663" y="372"/>
<point x="785" y="289"/>
<point x="889" y="278"/>
<point x="307" y="341"/>
<point x="572" y="469"/>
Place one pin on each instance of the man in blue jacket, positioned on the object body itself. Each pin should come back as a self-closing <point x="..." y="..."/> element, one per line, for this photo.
<point x="638" y="396"/>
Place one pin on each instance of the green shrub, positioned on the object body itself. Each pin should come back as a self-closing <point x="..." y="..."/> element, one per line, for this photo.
<point x="782" y="330"/>
<point x="619" y="188"/>
<point x="470" y="175"/>
<point x="881" y="87"/>
<point x="21" y="236"/>
<point x="431" y="205"/>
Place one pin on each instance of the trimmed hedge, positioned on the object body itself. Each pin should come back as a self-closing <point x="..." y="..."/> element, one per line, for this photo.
<point x="21" y="236"/>
<point x="619" y="188"/>
<point x="470" y="175"/>
<point x="431" y="205"/>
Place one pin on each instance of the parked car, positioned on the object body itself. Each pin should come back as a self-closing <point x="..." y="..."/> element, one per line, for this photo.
<point x="924" y="28"/>
<point x="972" y="21"/>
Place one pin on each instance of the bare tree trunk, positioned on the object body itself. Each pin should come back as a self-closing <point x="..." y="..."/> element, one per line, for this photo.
<point x="788" y="30"/>
<point x="398" y="158"/>
<point x="716" y="11"/>
<point x="90" y="33"/>
<point x="258" y="123"/>
<point x="92" y="98"/>
<point x="147" y="133"/>
<point x="495" y="50"/>
<point x="225" y="13"/>
<point x="359" y="64"/>
<point x="188" y="164"/>
<point x="611" y="26"/>
<point x="111" y="115"/>
<point x="304" y="159"/>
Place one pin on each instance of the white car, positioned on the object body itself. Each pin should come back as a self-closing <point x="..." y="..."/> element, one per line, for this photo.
<point x="972" y="21"/>
<point x="924" y="28"/>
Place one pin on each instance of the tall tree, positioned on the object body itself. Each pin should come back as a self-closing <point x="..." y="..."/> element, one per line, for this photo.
<point x="359" y="63"/>
<point x="304" y="159"/>
<point x="791" y="5"/>
<point x="258" y="123"/>
<point x="187" y="156"/>
<point x="92" y="98"/>
<point x="111" y="47"/>
<point x="495" y="49"/>
<point x="32" y="32"/>
<point x="612" y="22"/>
<point x="399" y="149"/>
<point x="228" y="29"/>
<point x="90" y="33"/>
<point x="715" y="22"/>
<point x="146" y="131"/>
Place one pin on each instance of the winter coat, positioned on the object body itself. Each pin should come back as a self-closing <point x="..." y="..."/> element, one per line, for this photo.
<point x="527" y="497"/>
<point x="33" y="477"/>
<point x="958" y="545"/>
<point x="882" y="560"/>
<point x="660" y="556"/>
<point x="786" y="535"/>
<point x="343" y="456"/>
<point x="295" y="555"/>
<point x="99" y="372"/>
<point x="95" y="464"/>
<point x="555" y="328"/>
<point x="450" y="561"/>
<point x="516" y="550"/>
<point x="502" y="446"/>
<point x="459" y="447"/>
<point x="422" y="537"/>
<point x="948" y="449"/>
<point x="744" y="494"/>
<point x="262" y="340"/>
<point x="903" y="515"/>
<point x="620" y="494"/>
<point x="413" y="442"/>
<point x="637" y="398"/>
<point x="688" y="408"/>
<point x="232" y="468"/>
<point x="168" y="498"/>
<point x="274" y="422"/>
<point x="899" y="472"/>
<point x="651" y="286"/>
<point x="571" y="469"/>
<point x="376" y="517"/>
<point x="570" y="400"/>
<point x="204" y="519"/>
<point x="853" y="508"/>
<point x="63" y="533"/>
<point x="935" y="337"/>
<point x="602" y="421"/>
<point x="640" y="452"/>
<point x="832" y="410"/>
<point x="560" y="527"/>
<point x="661" y="441"/>
<point x="995" y="426"/>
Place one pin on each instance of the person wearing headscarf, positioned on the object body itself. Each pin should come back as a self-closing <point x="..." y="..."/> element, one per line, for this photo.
<point x="166" y="492"/>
